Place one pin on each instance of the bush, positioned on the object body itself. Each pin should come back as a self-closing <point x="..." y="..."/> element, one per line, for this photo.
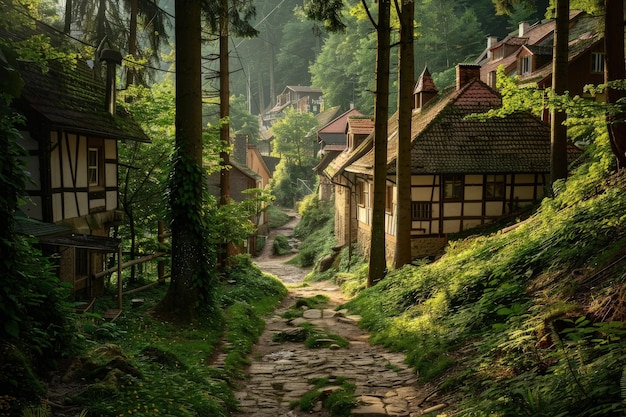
<point x="281" y="245"/>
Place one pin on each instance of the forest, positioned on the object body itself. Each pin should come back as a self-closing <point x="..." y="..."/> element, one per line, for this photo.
<point x="524" y="317"/>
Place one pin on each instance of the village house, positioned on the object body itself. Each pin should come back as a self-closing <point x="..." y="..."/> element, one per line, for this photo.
<point x="248" y="170"/>
<point x="465" y="172"/>
<point x="333" y="138"/>
<point x="304" y="99"/>
<point x="71" y="135"/>
<point x="528" y="55"/>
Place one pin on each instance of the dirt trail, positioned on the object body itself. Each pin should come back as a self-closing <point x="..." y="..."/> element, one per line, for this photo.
<point x="280" y="372"/>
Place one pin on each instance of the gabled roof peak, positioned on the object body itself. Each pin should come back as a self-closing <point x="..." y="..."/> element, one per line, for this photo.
<point x="425" y="83"/>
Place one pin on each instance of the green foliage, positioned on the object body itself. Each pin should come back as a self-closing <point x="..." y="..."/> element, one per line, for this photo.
<point x="281" y="245"/>
<point x="277" y="217"/>
<point x="315" y="229"/>
<point x="172" y="361"/>
<point x="339" y="402"/>
<point x="500" y="314"/>
<point x="296" y="310"/>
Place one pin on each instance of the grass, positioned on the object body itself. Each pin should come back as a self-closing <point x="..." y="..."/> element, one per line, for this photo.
<point x="507" y="320"/>
<point x="338" y="401"/>
<point x="173" y="362"/>
<point x="276" y="216"/>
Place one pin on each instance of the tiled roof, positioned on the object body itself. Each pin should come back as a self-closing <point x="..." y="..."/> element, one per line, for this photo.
<point x="326" y="116"/>
<point x="334" y="132"/>
<point x="72" y="99"/>
<point x="425" y="83"/>
<point x="360" y="125"/>
<point x="303" y="89"/>
<point x="443" y="141"/>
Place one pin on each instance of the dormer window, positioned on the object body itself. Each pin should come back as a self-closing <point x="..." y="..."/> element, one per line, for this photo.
<point x="526" y="65"/>
<point x="597" y="62"/>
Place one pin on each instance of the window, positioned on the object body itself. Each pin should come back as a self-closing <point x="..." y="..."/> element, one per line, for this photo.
<point x="421" y="210"/>
<point x="93" y="166"/>
<point x="597" y="62"/>
<point x="389" y="199"/>
<point x="526" y="65"/>
<point x="494" y="187"/>
<point x="81" y="261"/>
<point x="362" y="190"/>
<point x="453" y="187"/>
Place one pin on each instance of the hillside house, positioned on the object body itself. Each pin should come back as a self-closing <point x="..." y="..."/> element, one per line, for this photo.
<point x="71" y="135"/>
<point x="249" y="170"/>
<point x="465" y="172"/>
<point x="332" y="140"/>
<point x="528" y="54"/>
<point x="305" y="99"/>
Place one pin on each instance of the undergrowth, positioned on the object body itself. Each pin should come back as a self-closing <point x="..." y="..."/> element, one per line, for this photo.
<point x="173" y="374"/>
<point x="524" y="323"/>
<point x="335" y="393"/>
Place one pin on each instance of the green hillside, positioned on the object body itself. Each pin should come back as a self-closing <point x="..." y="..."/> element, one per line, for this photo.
<point x="526" y="321"/>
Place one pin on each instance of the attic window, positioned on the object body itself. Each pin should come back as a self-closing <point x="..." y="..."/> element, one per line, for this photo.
<point x="597" y="62"/>
<point x="526" y="65"/>
<point x="93" y="166"/>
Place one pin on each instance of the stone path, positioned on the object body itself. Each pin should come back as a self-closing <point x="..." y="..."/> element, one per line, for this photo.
<point x="280" y="372"/>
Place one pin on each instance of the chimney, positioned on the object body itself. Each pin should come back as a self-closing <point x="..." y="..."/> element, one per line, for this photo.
<point x="523" y="28"/>
<point x="112" y="58"/>
<point x="240" y="149"/>
<point x="466" y="73"/>
<point x="491" y="41"/>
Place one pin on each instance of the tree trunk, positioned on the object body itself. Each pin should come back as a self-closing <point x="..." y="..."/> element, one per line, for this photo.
<point x="182" y="297"/>
<point x="67" y="25"/>
<point x="377" y="260"/>
<point x="406" y="80"/>
<point x="558" y="132"/>
<point x="224" y="107"/>
<point x="132" y="41"/>
<point x="614" y="70"/>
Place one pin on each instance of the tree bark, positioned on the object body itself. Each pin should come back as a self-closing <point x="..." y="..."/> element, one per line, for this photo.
<point x="224" y="105"/>
<point x="132" y="41"/>
<point x="182" y="297"/>
<point x="558" y="131"/>
<point x="377" y="260"/>
<point x="406" y="73"/>
<point x="615" y="70"/>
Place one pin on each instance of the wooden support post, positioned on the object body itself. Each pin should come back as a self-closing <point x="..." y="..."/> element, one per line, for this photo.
<point x="161" y="237"/>
<point x="119" y="277"/>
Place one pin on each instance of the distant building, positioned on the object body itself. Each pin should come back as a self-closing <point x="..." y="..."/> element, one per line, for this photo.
<point x="304" y="99"/>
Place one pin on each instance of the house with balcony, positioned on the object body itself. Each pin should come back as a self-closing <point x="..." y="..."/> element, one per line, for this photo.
<point x="305" y="99"/>
<point x="71" y="135"/>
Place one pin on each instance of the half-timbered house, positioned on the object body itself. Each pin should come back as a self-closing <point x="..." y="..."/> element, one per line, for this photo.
<point x="465" y="172"/>
<point x="71" y="134"/>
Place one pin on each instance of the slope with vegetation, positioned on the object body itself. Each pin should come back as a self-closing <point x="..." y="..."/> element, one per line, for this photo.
<point x="528" y="321"/>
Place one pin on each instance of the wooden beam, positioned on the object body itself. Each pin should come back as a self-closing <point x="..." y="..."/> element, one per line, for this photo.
<point x="130" y="263"/>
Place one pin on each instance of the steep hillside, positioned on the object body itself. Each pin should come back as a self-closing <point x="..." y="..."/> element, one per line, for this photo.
<point x="527" y="321"/>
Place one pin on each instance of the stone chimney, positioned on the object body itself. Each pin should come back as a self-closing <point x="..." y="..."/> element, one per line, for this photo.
<point x="523" y="28"/>
<point x="240" y="149"/>
<point x="425" y="89"/>
<point x="466" y="73"/>
<point x="491" y="41"/>
<point x="112" y="59"/>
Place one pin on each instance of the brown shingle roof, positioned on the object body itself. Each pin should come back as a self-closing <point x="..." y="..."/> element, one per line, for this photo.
<point x="443" y="141"/>
<point x="360" y="125"/>
<point x="70" y="98"/>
